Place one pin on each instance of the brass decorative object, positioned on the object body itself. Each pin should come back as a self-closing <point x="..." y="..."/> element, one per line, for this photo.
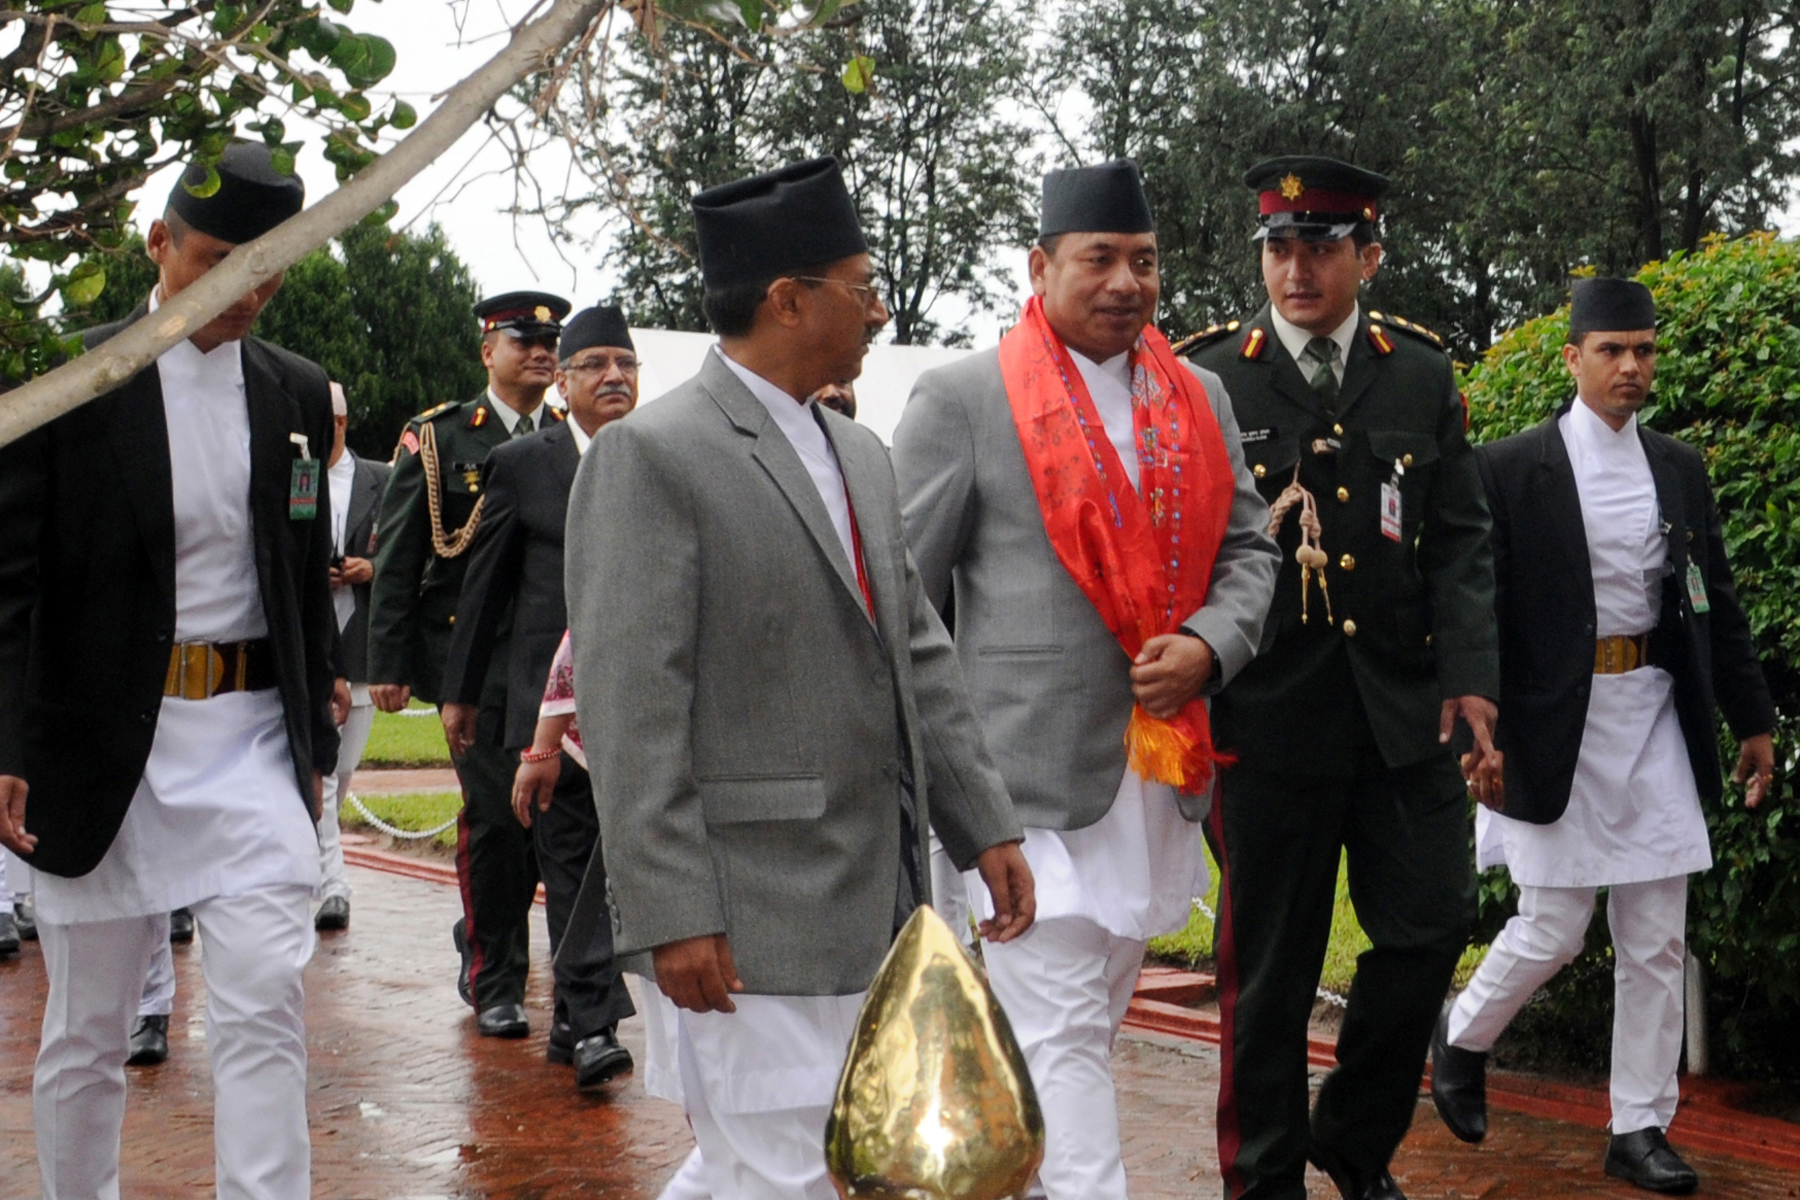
<point x="935" y="1102"/>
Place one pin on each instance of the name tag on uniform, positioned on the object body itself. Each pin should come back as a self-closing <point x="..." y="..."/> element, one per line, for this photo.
<point x="1256" y="435"/>
<point x="303" y="483"/>
<point x="1696" y="586"/>
<point x="1390" y="511"/>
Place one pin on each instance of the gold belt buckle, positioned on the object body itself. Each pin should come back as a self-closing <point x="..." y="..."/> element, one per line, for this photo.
<point x="195" y="671"/>
<point x="1616" y="655"/>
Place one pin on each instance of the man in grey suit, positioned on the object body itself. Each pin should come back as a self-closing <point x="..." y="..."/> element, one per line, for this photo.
<point x="771" y="708"/>
<point x="986" y="455"/>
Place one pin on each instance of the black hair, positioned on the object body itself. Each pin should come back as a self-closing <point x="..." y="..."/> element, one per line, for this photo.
<point x="731" y="309"/>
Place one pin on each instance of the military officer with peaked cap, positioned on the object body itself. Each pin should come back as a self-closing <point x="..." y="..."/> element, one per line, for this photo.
<point x="429" y="517"/>
<point x="166" y="690"/>
<point x="1380" y="640"/>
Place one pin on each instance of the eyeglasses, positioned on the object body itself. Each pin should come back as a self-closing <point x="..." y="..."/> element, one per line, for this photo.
<point x="869" y="292"/>
<point x="627" y="365"/>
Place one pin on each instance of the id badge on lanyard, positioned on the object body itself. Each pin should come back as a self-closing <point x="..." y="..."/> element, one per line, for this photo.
<point x="1390" y="504"/>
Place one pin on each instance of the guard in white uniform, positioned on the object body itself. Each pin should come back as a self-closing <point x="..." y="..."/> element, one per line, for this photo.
<point x="1117" y="857"/>
<point x="1608" y="681"/>
<point x="165" y="561"/>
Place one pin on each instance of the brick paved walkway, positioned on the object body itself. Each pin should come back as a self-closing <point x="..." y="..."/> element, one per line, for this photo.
<point x="406" y="1102"/>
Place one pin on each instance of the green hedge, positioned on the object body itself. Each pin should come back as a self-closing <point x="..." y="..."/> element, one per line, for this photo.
<point x="1727" y="383"/>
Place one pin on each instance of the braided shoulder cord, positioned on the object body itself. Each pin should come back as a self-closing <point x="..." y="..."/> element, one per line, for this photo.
<point x="446" y="547"/>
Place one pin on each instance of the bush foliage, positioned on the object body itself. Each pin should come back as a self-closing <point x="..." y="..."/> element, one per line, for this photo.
<point x="1727" y="383"/>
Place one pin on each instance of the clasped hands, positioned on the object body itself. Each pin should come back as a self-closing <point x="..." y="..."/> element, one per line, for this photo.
<point x="697" y="973"/>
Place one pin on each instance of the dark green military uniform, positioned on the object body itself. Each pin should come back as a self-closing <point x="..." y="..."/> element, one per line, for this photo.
<point x="418" y="578"/>
<point x="1335" y="725"/>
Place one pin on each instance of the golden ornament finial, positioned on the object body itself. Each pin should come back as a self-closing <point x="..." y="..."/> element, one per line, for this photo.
<point x="935" y="1102"/>
<point x="1291" y="187"/>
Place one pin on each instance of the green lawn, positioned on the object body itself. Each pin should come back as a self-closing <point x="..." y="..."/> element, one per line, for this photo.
<point x="1194" y="944"/>
<point x="403" y="740"/>
<point x="409" y="810"/>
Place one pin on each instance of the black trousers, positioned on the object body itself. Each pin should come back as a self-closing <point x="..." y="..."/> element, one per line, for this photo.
<point x="590" y="992"/>
<point x="1277" y="836"/>
<point x="496" y="866"/>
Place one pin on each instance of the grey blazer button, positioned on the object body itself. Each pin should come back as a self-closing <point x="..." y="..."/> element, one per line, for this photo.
<point x="890" y="771"/>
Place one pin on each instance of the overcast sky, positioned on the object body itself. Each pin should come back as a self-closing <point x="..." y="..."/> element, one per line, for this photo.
<point x="467" y="191"/>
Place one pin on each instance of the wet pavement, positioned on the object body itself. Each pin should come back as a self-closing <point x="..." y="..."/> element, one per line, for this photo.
<point x="407" y="1102"/>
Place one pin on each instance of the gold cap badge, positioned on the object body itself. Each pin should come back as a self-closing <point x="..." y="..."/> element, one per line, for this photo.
<point x="543" y="313"/>
<point x="1291" y="187"/>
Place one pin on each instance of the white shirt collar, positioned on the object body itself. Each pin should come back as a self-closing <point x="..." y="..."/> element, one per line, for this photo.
<point x="1295" y="338"/>
<point x="1116" y="370"/>
<point x="582" y="440"/>
<point x="1600" y="440"/>
<point x="509" y="416"/>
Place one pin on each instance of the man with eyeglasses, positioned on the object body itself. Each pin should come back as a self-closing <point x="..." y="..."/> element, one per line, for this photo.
<point x="516" y="574"/>
<point x="429" y="517"/>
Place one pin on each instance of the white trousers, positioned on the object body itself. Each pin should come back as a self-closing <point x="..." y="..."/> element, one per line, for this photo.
<point x="354" y="737"/>
<point x="158" y="999"/>
<point x="1065" y="986"/>
<point x="15" y="880"/>
<point x="1649" y="935"/>
<point x="253" y="949"/>
<point x="950" y="893"/>
<point x="689" y="1180"/>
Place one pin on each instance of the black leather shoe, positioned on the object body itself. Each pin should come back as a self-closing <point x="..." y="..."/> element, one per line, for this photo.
<point x="333" y="914"/>
<point x="1350" y="1185"/>
<point x="1645" y="1159"/>
<point x="561" y="1048"/>
<point x="9" y="935"/>
<point x="462" y="976"/>
<point x="599" y="1059"/>
<point x="25" y="917"/>
<point x="503" y="1021"/>
<point x="1458" y="1084"/>
<point x="181" y="927"/>
<point x="149" y="1042"/>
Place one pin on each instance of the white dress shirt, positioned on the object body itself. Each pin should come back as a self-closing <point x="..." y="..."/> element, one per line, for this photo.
<point x="582" y="440"/>
<point x="216" y="813"/>
<point x="1135" y="871"/>
<point x="509" y="416"/>
<point x="340" y="478"/>
<point x="1294" y="340"/>
<point x="1634" y="811"/>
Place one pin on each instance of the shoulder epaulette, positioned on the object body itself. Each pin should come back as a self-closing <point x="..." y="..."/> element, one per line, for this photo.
<point x="439" y="411"/>
<point x="1205" y="337"/>
<point x="1406" y="326"/>
<point x="557" y="414"/>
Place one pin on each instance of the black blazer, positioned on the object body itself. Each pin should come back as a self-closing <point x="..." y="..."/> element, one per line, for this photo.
<point x="87" y="595"/>
<point x="516" y="569"/>
<point x="1544" y="600"/>
<point x="359" y="542"/>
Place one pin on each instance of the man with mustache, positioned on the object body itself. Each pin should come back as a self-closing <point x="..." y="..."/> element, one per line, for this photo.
<point x="1381" y="638"/>
<point x="167" y="640"/>
<point x="1620" y="633"/>
<point x="429" y="517"/>
<point x="516" y="576"/>
<point x="1081" y="430"/>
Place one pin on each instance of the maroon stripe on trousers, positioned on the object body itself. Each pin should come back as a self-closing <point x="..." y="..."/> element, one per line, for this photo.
<point x="468" y="901"/>
<point x="1225" y="968"/>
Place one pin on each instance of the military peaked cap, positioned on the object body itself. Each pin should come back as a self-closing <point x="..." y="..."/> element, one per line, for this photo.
<point x="523" y="314"/>
<point x="1314" y="199"/>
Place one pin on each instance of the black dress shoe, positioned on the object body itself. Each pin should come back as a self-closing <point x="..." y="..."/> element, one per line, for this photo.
<point x="181" y="927"/>
<point x="333" y="914"/>
<point x="503" y="1021"/>
<point x="149" y="1042"/>
<point x="462" y="976"/>
<point x="25" y="917"/>
<point x="561" y="1047"/>
<point x="1458" y="1084"/>
<point x="1644" y="1158"/>
<point x="1350" y="1184"/>
<point x="9" y="935"/>
<point x="599" y="1059"/>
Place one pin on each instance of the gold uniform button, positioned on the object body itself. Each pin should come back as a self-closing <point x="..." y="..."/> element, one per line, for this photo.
<point x="1259" y="470"/>
<point x="1343" y="495"/>
<point x="1406" y="460"/>
<point x="1349" y="627"/>
<point x="1338" y="429"/>
<point x="1348" y="562"/>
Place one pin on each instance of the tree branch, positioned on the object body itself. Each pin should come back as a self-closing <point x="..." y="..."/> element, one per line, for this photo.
<point x="75" y="383"/>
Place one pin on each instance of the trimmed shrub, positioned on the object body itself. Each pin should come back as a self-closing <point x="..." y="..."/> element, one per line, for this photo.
<point x="1727" y="383"/>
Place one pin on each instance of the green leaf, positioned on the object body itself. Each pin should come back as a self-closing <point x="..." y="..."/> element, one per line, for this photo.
<point x="206" y="187"/>
<point x="403" y="115"/>
<point x="83" y="288"/>
<point x="355" y="105"/>
<point x="858" y="74"/>
<point x="342" y="6"/>
<point x="282" y="159"/>
<point x="381" y="58"/>
<point x="753" y="13"/>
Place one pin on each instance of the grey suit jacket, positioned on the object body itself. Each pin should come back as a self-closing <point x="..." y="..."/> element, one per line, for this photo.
<point x="359" y="542"/>
<point x="1051" y="684"/>
<point x="747" y="725"/>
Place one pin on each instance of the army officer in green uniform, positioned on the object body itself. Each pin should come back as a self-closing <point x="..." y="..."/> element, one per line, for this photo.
<point x="1380" y="639"/>
<point x="428" y="521"/>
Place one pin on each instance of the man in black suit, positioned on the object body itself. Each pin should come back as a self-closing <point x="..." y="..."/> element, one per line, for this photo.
<point x="516" y="569"/>
<point x="166" y="697"/>
<point x="1620" y="631"/>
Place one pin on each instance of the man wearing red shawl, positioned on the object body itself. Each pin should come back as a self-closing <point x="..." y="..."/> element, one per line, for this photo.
<point x="1084" y="493"/>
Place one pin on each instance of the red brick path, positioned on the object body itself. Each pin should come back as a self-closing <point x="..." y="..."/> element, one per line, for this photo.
<point x="407" y="1102"/>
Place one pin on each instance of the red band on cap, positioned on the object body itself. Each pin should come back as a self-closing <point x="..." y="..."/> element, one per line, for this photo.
<point x="1318" y="200"/>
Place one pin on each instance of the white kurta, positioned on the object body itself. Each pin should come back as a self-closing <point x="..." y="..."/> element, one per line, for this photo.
<point x="216" y="813"/>
<point x="1634" y="811"/>
<point x="1135" y="871"/>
